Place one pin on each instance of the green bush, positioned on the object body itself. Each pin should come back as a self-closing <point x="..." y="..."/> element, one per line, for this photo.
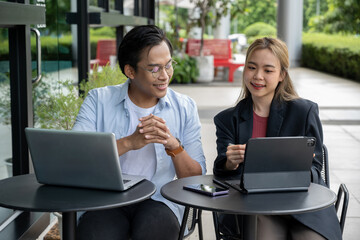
<point x="4" y="50"/>
<point x="259" y="29"/>
<point x="53" y="49"/>
<point x="39" y="96"/>
<point x="108" y="76"/>
<point x="57" y="106"/>
<point x="61" y="107"/>
<point x="335" y="54"/>
<point x="107" y="32"/>
<point x="250" y="40"/>
<point x="186" y="70"/>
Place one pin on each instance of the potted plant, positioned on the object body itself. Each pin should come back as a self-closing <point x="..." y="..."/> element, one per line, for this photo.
<point x="210" y="12"/>
<point x="186" y="70"/>
<point x="62" y="106"/>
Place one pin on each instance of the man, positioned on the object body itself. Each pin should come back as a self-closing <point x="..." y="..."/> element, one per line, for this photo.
<point x="157" y="132"/>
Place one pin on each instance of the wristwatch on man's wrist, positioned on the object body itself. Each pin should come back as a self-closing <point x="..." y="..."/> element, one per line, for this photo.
<point x="176" y="151"/>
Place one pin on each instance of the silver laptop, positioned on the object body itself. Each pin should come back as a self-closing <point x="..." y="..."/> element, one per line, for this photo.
<point x="276" y="164"/>
<point x="77" y="159"/>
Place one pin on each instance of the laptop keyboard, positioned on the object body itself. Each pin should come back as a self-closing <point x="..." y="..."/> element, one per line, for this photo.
<point x="126" y="181"/>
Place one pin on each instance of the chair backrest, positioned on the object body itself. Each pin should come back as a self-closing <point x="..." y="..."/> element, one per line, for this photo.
<point x="343" y="193"/>
<point x="194" y="218"/>
<point x="191" y="221"/>
<point x="105" y="49"/>
<point x="219" y="48"/>
<point x="325" y="167"/>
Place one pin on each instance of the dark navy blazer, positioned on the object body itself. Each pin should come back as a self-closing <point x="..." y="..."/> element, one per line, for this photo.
<point x="299" y="117"/>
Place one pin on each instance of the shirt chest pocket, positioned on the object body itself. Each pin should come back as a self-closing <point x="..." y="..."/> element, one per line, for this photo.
<point x="119" y="125"/>
<point x="120" y="133"/>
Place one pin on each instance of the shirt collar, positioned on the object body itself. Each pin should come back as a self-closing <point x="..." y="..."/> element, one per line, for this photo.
<point x="165" y="101"/>
<point x="123" y="94"/>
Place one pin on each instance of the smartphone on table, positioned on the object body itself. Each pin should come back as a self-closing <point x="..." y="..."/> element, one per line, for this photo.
<point x="206" y="189"/>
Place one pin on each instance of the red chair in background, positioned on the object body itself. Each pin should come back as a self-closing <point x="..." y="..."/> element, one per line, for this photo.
<point x="104" y="49"/>
<point x="220" y="49"/>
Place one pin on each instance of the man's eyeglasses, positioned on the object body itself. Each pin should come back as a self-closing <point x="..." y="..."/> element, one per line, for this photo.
<point x="156" y="70"/>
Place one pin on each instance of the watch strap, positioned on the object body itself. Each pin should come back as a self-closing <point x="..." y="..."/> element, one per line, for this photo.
<point x="176" y="151"/>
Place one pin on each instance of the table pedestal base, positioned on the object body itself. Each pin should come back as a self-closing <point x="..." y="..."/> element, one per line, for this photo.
<point x="250" y="227"/>
<point x="69" y="225"/>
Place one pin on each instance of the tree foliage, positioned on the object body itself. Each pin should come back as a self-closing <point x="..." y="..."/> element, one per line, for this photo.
<point x="311" y="10"/>
<point x="246" y="12"/>
<point x="55" y="16"/>
<point x="175" y="23"/>
<point x="342" y="16"/>
<point x="210" y="12"/>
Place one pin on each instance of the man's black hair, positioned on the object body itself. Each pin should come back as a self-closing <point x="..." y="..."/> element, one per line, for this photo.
<point x="136" y="40"/>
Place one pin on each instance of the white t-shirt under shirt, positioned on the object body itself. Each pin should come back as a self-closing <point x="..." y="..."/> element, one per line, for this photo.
<point x="142" y="161"/>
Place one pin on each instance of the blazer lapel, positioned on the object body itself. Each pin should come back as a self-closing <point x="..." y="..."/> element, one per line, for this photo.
<point x="276" y="117"/>
<point x="245" y="122"/>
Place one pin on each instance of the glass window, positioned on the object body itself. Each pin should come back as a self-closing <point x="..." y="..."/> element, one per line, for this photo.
<point x="112" y="4"/>
<point x="58" y="57"/>
<point x="5" y="111"/>
<point x="93" y="3"/>
<point x="129" y="7"/>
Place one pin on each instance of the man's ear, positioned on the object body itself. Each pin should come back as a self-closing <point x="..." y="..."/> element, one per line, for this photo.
<point x="129" y="71"/>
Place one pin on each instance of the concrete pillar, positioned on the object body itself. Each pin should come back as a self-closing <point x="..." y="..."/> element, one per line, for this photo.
<point x="289" y="27"/>
<point x="222" y="31"/>
<point x="195" y="32"/>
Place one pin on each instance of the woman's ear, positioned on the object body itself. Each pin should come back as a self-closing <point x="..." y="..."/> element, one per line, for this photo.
<point x="129" y="71"/>
<point x="283" y="75"/>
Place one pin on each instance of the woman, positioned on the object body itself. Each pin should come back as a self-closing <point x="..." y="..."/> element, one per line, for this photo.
<point x="270" y="107"/>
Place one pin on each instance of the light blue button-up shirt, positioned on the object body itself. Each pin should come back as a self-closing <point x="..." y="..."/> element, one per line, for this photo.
<point x="104" y="110"/>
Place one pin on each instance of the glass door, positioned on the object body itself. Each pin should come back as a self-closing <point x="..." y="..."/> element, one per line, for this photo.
<point x="5" y="113"/>
<point x="16" y="113"/>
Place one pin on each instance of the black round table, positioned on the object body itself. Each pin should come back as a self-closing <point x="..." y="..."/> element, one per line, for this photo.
<point x="25" y="193"/>
<point x="282" y="203"/>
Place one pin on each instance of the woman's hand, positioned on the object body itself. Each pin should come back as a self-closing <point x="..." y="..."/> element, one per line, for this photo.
<point x="235" y="155"/>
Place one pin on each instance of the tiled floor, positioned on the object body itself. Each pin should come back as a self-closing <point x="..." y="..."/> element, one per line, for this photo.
<point x="339" y="103"/>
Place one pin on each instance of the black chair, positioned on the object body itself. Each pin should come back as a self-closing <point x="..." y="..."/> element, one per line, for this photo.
<point x="220" y="235"/>
<point x="194" y="218"/>
<point x="343" y="193"/>
<point x="342" y="197"/>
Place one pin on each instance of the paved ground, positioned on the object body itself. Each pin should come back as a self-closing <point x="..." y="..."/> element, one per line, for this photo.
<point x="339" y="102"/>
